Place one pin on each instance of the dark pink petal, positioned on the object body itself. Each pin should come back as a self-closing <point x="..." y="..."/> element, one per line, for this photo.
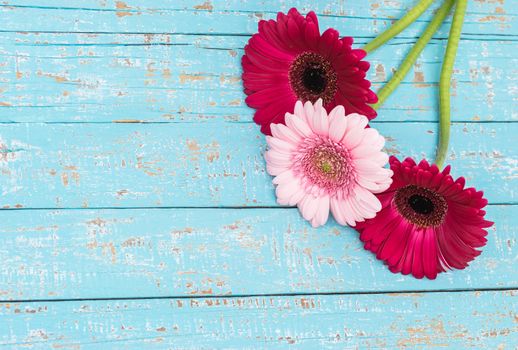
<point x="417" y="261"/>
<point x="263" y="98"/>
<point x="430" y="256"/>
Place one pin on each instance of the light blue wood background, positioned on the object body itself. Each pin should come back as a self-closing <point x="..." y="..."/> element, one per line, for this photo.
<point x="137" y="213"/>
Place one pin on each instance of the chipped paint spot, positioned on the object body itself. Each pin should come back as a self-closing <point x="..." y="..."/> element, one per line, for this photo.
<point x="190" y="78"/>
<point x="418" y="77"/>
<point x="207" y="5"/>
<point x="192" y="145"/>
<point x="231" y="80"/>
<point x="64" y="179"/>
<point x="133" y="242"/>
<point x="120" y="5"/>
<point x="493" y="18"/>
<point x="306" y="303"/>
<point x="122" y="193"/>
<point x="166" y="73"/>
<point x="97" y="222"/>
<point x="380" y="73"/>
<point x="58" y="78"/>
<point x="212" y="156"/>
<point x="501" y="2"/>
<point x="202" y="292"/>
<point x="150" y="69"/>
<point x="7" y="154"/>
<point x="129" y="121"/>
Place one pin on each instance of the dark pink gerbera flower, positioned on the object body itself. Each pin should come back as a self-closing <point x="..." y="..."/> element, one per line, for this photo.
<point x="428" y="223"/>
<point x="288" y="60"/>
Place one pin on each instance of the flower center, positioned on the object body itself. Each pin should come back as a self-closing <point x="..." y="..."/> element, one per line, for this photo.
<point x="421" y="206"/>
<point x="326" y="167"/>
<point x="324" y="163"/>
<point x="312" y="77"/>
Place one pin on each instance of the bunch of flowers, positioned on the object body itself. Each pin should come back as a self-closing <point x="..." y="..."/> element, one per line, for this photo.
<point x="313" y="103"/>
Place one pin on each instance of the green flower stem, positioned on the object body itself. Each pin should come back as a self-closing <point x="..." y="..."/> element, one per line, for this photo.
<point x="445" y="81"/>
<point x="399" y="26"/>
<point x="411" y="57"/>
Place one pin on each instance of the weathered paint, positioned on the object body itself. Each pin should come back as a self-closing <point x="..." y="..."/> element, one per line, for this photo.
<point x="205" y="165"/>
<point x="78" y="79"/>
<point x="474" y="320"/>
<point x="360" y="18"/>
<point x="62" y="77"/>
<point x="73" y="254"/>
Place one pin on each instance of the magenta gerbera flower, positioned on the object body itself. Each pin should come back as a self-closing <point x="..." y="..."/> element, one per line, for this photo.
<point x="288" y="60"/>
<point x="327" y="162"/>
<point x="428" y="223"/>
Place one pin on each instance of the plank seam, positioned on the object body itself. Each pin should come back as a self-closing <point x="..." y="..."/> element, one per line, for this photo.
<point x="410" y="121"/>
<point x="185" y="207"/>
<point x="236" y="296"/>
<point x="367" y="37"/>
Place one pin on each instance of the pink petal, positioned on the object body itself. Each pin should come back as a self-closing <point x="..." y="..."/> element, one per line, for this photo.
<point x="284" y="177"/>
<point x="308" y="111"/>
<point x="337" y="124"/>
<point x="322" y="213"/>
<point x="337" y="213"/>
<point x="284" y="133"/>
<point x="308" y="207"/>
<point x="368" y="198"/>
<point x="285" y="191"/>
<point x="296" y="123"/>
<point x="297" y="197"/>
<point x="320" y="120"/>
<point x="280" y="145"/>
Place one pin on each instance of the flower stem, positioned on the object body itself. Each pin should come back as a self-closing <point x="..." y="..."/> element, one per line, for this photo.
<point x="399" y="26"/>
<point x="416" y="50"/>
<point x="445" y="81"/>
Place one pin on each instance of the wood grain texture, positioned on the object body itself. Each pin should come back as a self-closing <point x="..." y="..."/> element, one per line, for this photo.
<point x="476" y="320"/>
<point x="204" y="165"/>
<point x="75" y="254"/>
<point x="61" y="77"/>
<point x="493" y="17"/>
<point x="130" y="168"/>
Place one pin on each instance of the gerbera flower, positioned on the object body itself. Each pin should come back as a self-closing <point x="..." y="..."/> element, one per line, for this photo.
<point x="288" y="60"/>
<point x="324" y="163"/>
<point x="428" y="223"/>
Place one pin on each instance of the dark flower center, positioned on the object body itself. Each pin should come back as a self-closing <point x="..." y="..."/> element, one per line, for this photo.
<point x="312" y="77"/>
<point x="421" y="206"/>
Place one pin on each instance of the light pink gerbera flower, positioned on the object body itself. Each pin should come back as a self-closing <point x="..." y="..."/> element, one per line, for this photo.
<point x="323" y="163"/>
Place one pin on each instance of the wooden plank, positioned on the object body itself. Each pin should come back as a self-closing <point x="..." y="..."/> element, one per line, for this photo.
<point x="473" y="320"/>
<point x="141" y="253"/>
<point x="204" y="165"/>
<point x="56" y="77"/>
<point x="360" y="9"/>
<point x="365" y="18"/>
